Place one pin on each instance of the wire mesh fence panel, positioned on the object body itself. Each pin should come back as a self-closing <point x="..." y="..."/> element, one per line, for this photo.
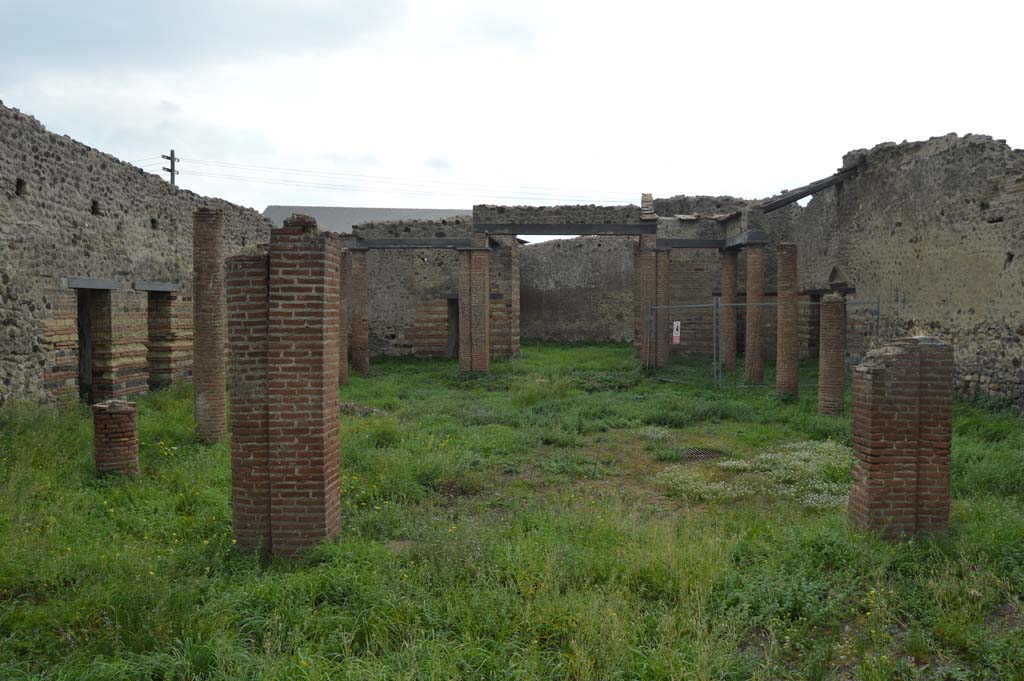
<point x="697" y="355"/>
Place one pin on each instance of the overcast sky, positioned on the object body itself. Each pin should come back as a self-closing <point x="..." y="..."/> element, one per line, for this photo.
<point x="448" y="103"/>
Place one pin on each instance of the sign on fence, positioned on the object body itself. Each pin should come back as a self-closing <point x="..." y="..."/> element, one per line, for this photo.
<point x="676" y="332"/>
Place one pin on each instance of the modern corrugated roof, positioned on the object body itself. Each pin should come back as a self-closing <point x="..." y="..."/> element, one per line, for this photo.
<point x="342" y="218"/>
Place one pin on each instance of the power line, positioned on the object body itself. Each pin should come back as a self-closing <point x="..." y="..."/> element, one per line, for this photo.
<point x="536" y="190"/>
<point x="286" y="182"/>
<point x="143" y="159"/>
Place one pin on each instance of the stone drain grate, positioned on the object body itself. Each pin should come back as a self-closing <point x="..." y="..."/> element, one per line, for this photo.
<point x="701" y="454"/>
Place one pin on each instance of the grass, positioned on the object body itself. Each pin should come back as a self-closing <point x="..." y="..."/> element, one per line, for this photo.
<point x="536" y="522"/>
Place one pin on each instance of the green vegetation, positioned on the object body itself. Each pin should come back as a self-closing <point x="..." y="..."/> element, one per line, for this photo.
<point x="538" y="522"/>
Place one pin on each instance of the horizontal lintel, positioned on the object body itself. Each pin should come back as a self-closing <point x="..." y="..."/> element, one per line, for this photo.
<point x="156" y="286"/>
<point x="691" y="243"/>
<point x="569" y="229"/>
<point x="93" y="283"/>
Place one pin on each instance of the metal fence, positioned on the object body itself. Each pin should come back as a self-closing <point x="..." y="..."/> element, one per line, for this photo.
<point x="863" y="320"/>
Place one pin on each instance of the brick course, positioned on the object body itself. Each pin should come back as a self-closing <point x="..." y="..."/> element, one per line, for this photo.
<point x="209" y="326"/>
<point x="902" y="428"/>
<point x="116" y="437"/>
<point x="832" y="355"/>
<point x="787" y="345"/>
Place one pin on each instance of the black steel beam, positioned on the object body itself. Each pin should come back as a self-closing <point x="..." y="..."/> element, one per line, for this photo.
<point x="812" y="188"/>
<point x="412" y="243"/>
<point x="156" y="286"/>
<point x="691" y="243"/>
<point x="93" y="283"/>
<point x="750" y="237"/>
<point x="633" y="229"/>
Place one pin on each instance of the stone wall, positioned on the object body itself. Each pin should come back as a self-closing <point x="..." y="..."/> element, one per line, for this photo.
<point x="933" y="229"/>
<point x="67" y="210"/>
<point x="556" y="215"/>
<point x="413" y="293"/>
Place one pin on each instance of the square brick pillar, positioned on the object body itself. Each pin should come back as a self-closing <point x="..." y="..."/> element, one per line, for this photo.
<point x="116" y="437"/>
<point x="475" y="305"/>
<point x="360" y="296"/>
<point x="832" y="355"/>
<point x="285" y="367"/>
<point x="209" y="326"/>
<point x="753" y="359"/>
<point x="343" y="286"/>
<point x="902" y="429"/>
<point x="728" y="318"/>
<point x="648" y="297"/>
<point x="248" y="290"/>
<point x="787" y="343"/>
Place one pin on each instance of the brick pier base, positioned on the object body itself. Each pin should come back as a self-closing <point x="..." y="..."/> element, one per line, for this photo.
<point x="902" y="428"/>
<point x="787" y="344"/>
<point x="753" y="358"/>
<point x="209" y="332"/>
<point x="116" y="437"/>
<point x="832" y="355"/>
<point x="475" y="305"/>
<point x="284" y="336"/>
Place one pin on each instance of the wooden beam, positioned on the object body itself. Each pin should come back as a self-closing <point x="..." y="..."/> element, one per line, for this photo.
<point x="813" y="188"/>
<point x="633" y="229"/>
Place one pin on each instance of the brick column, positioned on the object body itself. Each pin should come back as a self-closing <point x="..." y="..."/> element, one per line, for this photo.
<point x="474" y="305"/>
<point x="647" y="282"/>
<point x="343" y="285"/>
<point x="728" y="318"/>
<point x="285" y="368"/>
<point x="247" y="281"/>
<point x="116" y="437"/>
<point x="753" y="360"/>
<point x="360" y="296"/>
<point x="787" y="342"/>
<point x="662" y="325"/>
<point x="209" y="326"/>
<point x="832" y="355"/>
<point x="902" y="427"/>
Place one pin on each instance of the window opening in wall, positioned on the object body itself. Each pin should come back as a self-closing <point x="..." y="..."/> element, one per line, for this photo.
<point x="95" y="207"/>
<point x="158" y="347"/>
<point x="84" y="345"/>
<point x="19" y="187"/>
<point x="153" y="223"/>
<point x="452" y="349"/>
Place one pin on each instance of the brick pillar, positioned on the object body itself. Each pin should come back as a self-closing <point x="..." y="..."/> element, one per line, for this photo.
<point x="343" y="279"/>
<point x="209" y="326"/>
<point x="787" y="343"/>
<point x="902" y="418"/>
<point x="753" y="364"/>
<point x="116" y="437"/>
<point x="360" y="296"/>
<point x="247" y="281"/>
<point x="728" y="314"/>
<point x="284" y="368"/>
<point x="662" y="325"/>
<point x="647" y="283"/>
<point x="832" y="355"/>
<point x="474" y="305"/>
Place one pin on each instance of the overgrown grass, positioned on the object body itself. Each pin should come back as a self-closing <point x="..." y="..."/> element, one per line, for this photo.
<point x="532" y="523"/>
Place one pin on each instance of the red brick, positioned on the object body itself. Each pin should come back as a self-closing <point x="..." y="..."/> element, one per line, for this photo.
<point x="209" y="325"/>
<point x="116" y="437"/>
<point x="787" y="344"/>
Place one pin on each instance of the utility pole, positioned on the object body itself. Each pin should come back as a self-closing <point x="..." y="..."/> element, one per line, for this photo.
<point x="173" y="159"/>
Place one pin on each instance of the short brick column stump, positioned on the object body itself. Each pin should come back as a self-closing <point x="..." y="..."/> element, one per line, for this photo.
<point x="116" y="437"/>
<point x="902" y="430"/>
